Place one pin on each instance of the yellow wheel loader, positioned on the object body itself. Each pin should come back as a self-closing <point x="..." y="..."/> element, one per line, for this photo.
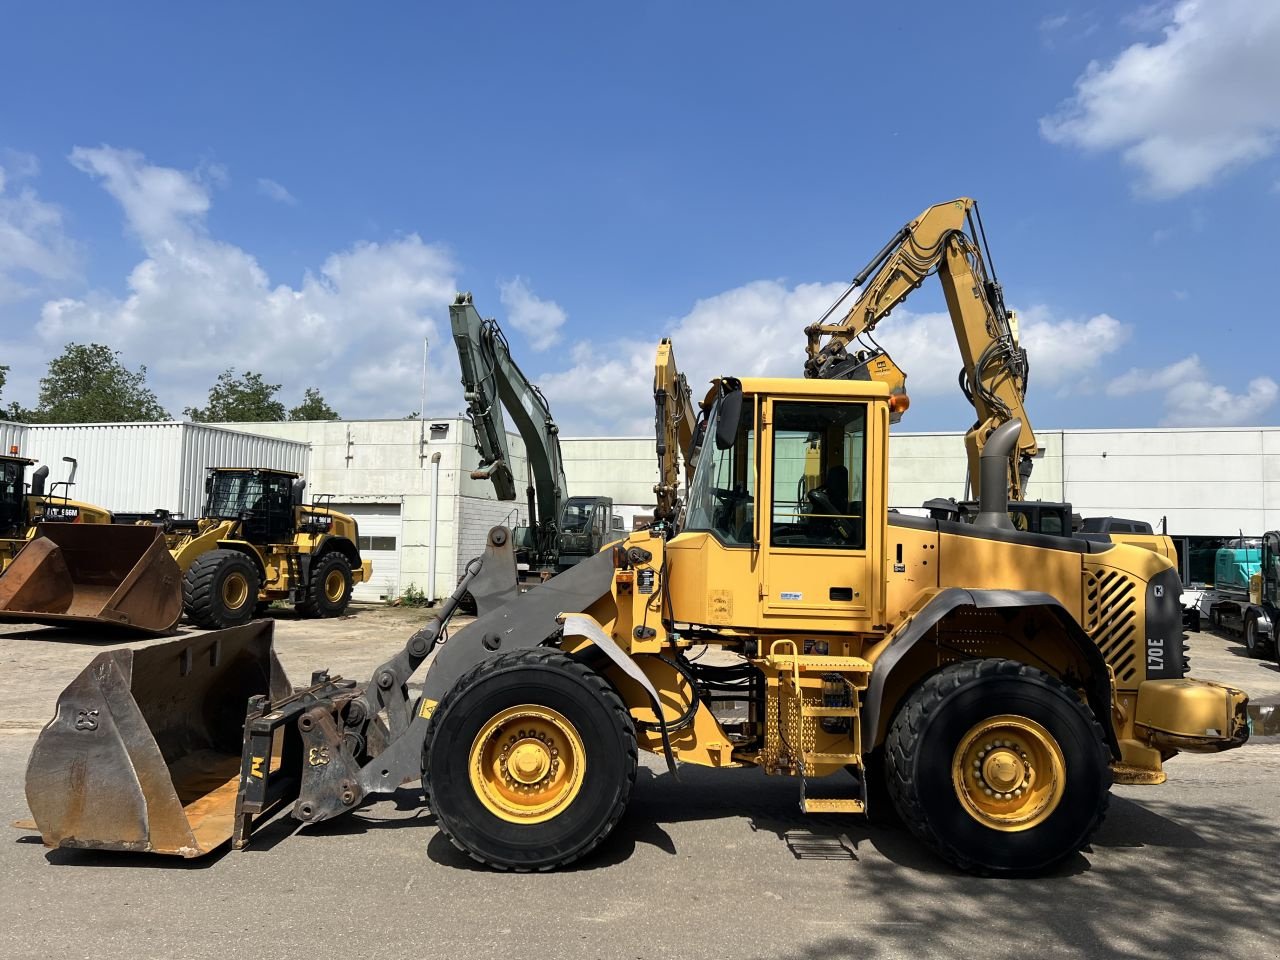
<point x="988" y="684"/>
<point x="257" y="542"/>
<point x="24" y="504"/>
<point x="64" y="563"/>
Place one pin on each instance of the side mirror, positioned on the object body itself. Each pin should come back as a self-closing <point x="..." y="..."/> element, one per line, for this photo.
<point x="730" y="414"/>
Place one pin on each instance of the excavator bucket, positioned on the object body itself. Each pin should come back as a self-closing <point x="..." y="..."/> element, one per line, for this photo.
<point x="70" y="573"/>
<point x="144" y="752"/>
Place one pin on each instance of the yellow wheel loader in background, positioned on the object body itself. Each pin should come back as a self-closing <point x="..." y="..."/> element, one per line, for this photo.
<point x="64" y="562"/>
<point x="257" y="542"/>
<point x="22" y="506"/>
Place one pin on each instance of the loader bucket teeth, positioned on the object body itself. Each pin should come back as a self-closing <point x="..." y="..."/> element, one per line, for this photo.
<point x="119" y="575"/>
<point x="144" y="751"/>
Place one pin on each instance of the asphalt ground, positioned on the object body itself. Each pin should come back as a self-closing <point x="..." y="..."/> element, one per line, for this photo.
<point x="716" y="864"/>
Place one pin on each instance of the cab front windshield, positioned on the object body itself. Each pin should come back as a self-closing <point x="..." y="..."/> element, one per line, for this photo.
<point x="722" y="494"/>
<point x="233" y="495"/>
<point x="577" y="517"/>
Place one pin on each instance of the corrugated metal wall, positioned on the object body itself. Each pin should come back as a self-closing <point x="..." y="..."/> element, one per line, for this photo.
<point x="204" y="447"/>
<point x="138" y="467"/>
<point x="13" y="435"/>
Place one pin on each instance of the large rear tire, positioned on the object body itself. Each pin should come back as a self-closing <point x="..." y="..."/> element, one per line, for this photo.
<point x="529" y="760"/>
<point x="220" y="590"/>
<point x="329" y="590"/>
<point x="998" y="767"/>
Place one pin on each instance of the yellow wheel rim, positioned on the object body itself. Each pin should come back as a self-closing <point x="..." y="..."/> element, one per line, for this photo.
<point x="1009" y="773"/>
<point x="527" y="764"/>
<point x="335" y="585"/>
<point x="235" y="591"/>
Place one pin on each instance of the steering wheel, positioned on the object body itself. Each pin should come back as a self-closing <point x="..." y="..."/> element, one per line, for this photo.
<point x="822" y="505"/>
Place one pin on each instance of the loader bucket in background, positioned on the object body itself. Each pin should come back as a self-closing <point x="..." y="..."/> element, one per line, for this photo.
<point x="70" y="573"/>
<point x="144" y="752"/>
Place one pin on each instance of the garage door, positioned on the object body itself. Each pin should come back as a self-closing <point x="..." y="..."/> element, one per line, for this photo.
<point x="379" y="525"/>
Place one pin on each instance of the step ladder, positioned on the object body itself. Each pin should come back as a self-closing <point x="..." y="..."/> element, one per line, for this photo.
<point x="856" y="673"/>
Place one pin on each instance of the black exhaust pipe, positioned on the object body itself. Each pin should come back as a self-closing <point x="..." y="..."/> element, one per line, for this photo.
<point x="37" y="481"/>
<point x="993" y="497"/>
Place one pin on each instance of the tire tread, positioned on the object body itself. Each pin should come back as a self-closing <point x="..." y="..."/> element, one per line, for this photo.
<point x="908" y="727"/>
<point x="597" y="684"/>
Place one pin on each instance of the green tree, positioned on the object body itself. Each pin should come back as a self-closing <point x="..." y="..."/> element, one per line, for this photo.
<point x="233" y="399"/>
<point x="9" y="411"/>
<point x="313" y="407"/>
<point x="89" y="384"/>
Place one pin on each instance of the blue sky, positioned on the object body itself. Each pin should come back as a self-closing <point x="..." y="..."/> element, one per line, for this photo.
<point x="300" y="188"/>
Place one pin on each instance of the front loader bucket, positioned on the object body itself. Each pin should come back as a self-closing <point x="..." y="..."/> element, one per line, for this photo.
<point x="70" y="573"/>
<point x="144" y="752"/>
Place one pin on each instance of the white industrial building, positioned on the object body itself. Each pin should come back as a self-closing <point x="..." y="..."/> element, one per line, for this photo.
<point x="139" y="467"/>
<point x="422" y="515"/>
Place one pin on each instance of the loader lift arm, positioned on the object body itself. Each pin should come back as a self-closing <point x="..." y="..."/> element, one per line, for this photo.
<point x="675" y="424"/>
<point x="948" y="239"/>
<point x="491" y="380"/>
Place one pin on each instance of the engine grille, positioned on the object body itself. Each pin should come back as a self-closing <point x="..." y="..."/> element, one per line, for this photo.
<point x="1111" y="619"/>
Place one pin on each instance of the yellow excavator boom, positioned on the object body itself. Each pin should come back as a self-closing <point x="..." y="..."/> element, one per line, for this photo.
<point x="947" y="238"/>
<point x="676" y="429"/>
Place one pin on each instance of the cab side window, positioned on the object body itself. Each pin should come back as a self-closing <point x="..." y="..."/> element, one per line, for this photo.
<point x="819" y="473"/>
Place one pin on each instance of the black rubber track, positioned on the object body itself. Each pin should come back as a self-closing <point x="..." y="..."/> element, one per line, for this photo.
<point x="596" y="686"/>
<point x="201" y="596"/>
<point x="317" y="604"/>
<point x="912" y="723"/>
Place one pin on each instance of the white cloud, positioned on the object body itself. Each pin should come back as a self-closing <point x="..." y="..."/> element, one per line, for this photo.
<point x="1063" y="352"/>
<point x="1184" y="110"/>
<point x="539" y="320"/>
<point x="758" y="330"/>
<point x="34" y="248"/>
<point x="1192" y="400"/>
<point x="276" y="191"/>
<point x="197" y="305"/>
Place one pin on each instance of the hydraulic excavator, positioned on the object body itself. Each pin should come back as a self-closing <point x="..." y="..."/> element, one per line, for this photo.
<point x="987" y="684"/>
<point x="677" y="436"/>
<point x="946" y="239"/>
<point x="562" y="530"/>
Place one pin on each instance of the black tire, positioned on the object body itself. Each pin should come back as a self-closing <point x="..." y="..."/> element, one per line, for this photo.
<point x="924" y="743"/>
<point x="1254" y="645"/>
<point x="220" y="590"/>
<point x="323" y="598"/>
<point x="545" y="679"/>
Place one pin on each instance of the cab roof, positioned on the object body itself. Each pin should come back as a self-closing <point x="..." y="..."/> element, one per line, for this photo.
<point x="279" y="473"/>
<point x="804" y="387"/>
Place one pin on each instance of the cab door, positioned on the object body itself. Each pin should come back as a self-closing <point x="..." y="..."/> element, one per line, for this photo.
<point x="817" y="534"/>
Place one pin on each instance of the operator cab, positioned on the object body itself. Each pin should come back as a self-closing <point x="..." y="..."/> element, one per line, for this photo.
<point x="13" y="512"/>
<point x="776" y="532"/>
<point x="263" y="500"/>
